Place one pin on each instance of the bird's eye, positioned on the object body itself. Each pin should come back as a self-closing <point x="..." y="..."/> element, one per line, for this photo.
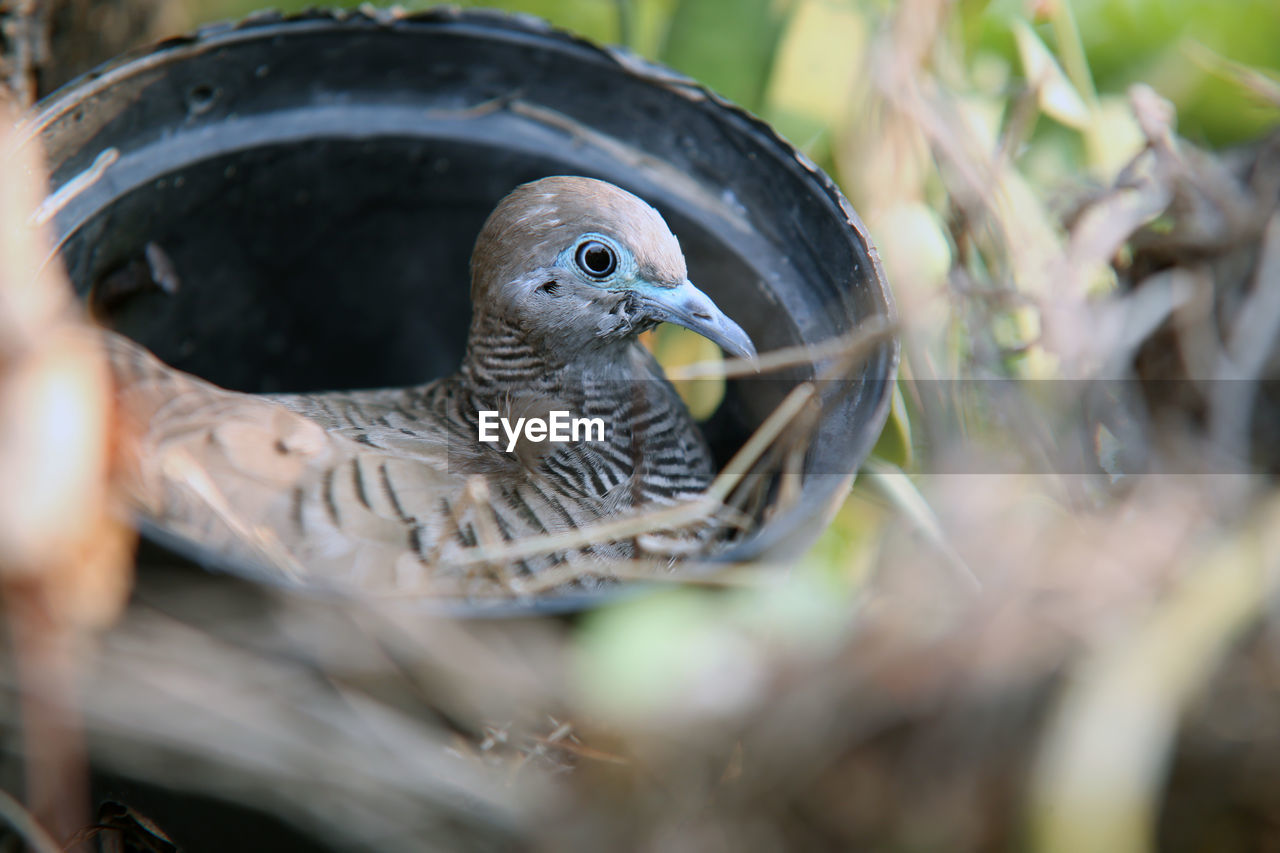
<point x="596" y="259"/>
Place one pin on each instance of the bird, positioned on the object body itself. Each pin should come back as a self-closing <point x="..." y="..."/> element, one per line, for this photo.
<point x="388" y="488"/>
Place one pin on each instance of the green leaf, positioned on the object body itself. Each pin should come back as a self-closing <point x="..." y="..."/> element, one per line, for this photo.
<point x="894" y="444"/>
<point x="727" y="45"/>
<point x="821" y="51"/>
<point x="1058" y="98"/>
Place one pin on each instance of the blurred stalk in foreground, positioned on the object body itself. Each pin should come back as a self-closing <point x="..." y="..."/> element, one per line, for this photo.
<point x="45" y="43"/>
<point x="64" y="550"/>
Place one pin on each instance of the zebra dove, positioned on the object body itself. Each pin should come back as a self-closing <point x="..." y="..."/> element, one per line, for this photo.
<point x="386" y="487"/>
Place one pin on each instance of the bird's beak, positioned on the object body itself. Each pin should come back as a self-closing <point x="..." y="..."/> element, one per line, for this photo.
<point x="687" y="306"/>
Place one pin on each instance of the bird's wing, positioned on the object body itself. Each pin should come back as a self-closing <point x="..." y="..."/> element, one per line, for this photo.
<point x="396" y="421"/>
<point x="373" y="504"/>
<point x="251" y="480"/>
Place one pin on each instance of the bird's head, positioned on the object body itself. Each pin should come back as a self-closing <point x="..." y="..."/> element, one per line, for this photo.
<point x="578" y="265"/>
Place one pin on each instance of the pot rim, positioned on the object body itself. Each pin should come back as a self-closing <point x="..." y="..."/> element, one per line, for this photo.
<point x="775" y="540"/>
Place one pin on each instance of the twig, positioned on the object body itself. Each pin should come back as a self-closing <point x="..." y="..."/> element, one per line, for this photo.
<point x="862" y="338"/>
<point x="1261" y="85"/>
<point x="1250" y="346"/>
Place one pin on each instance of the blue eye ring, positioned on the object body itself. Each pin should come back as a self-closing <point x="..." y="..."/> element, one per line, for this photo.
<point x="596" y="259"/>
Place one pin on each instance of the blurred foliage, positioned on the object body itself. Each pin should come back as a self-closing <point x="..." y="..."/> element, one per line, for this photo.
<point x="729" y="48"/>
<point x="792" y="59"/>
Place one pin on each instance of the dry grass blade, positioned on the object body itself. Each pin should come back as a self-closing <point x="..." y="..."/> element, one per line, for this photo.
<point x="903" y="494"/>
<point x="691" y="573"/>
<point x="749" y="454"/>
<point x="586" y="752"/>
<point x="855" y="345"/>
<point x="55" y="202"/>
<point x="12" y="812"/>
<point x="1248" y="349"/>
<point x="1263" y="86"/>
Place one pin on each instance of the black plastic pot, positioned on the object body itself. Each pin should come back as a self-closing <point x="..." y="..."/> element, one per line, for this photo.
<point x="315" y="185"/>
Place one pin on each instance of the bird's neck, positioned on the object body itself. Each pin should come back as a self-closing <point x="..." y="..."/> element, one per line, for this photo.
<point x="651" y="440"/>
<point x="500" y="357"/>
<point x="501" y="360"/>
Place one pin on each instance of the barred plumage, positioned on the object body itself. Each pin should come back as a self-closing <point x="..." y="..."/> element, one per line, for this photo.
<point x="377" y="487"/>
